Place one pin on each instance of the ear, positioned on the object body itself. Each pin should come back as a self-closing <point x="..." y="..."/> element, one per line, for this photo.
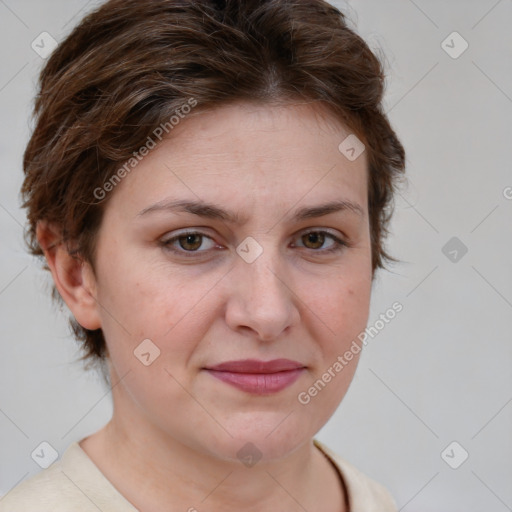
<point x="73" y="277"/>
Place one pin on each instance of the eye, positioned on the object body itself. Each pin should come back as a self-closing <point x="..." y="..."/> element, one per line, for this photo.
<point x="188" y="242"/>
<point x="314" y="240"/>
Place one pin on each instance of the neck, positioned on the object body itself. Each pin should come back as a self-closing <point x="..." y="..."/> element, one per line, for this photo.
<point x="155" y="471"/>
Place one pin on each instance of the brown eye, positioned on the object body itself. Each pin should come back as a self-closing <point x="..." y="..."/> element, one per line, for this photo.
<point x="315" y="238"/>
<point x="190" y="242"/>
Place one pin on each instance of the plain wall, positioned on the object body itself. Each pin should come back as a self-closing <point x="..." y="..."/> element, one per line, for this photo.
<point x="439" y="372"/>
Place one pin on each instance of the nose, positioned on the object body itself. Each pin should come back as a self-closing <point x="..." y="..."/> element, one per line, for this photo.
<point x="261" y="300"/>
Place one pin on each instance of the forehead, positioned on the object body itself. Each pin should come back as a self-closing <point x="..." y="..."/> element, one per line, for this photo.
<point x="248" y="154"/>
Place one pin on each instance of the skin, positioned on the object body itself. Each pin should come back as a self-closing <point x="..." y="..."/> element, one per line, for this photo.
<point x="176" y="430"/>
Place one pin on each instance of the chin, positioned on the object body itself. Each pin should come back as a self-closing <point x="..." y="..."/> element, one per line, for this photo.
<point x="265" y="437"/>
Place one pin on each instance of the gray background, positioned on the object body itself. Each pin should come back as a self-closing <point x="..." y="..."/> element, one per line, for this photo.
<point x="439" y="372"/>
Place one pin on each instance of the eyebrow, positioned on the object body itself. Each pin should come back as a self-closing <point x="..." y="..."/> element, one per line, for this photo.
<point x="212" y="211"/>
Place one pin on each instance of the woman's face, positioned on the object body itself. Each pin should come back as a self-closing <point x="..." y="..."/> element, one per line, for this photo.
<point x="250" y="286"/>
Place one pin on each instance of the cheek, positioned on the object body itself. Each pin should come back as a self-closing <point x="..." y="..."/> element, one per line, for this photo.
<point x="341" y="307"/>
<point x="166" y="306"/>
<point x="144" y="299"/>
<point x="340" y="312"/>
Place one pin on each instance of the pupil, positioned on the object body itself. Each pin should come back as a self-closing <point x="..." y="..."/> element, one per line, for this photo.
<point x="315" y="238"/>
<point x="189" y="241"/>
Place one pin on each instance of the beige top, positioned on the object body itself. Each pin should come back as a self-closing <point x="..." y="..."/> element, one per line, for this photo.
<point x="74" y="483"/>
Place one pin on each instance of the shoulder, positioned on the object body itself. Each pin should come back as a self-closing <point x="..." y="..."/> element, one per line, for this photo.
<point x="364" y="494"/>
<point x="47" y="490"/>
<point x="72" y="482"/>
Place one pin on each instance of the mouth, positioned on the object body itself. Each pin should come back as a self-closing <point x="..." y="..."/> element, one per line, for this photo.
<point x="258" y="377"/>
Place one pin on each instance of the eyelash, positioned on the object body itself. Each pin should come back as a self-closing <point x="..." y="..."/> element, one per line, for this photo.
<point x="338" y="245"/>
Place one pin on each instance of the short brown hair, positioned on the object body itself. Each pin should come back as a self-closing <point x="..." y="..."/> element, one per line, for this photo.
<point x="131" y="64"/>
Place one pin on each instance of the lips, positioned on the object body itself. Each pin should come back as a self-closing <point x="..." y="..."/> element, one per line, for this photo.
<point x="256" y="366"/>
<point x="258" y="377"/>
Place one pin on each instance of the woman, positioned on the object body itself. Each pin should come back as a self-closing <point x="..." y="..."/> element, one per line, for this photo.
<point x="209" y="184"/>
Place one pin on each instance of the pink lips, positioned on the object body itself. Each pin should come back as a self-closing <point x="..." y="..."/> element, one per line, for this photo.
<point x="258" y="377"/>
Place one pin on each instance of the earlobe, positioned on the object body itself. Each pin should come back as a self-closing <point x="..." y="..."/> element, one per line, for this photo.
<point x="73" y="277"/>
